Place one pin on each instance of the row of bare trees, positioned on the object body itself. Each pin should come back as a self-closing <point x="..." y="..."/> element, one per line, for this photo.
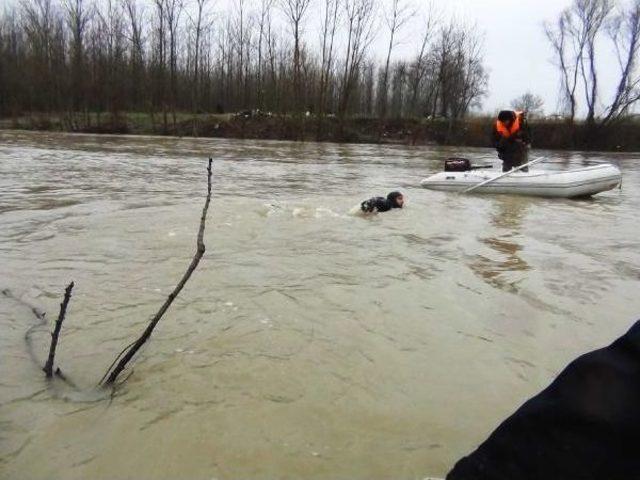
<point x="583" y="34"/>
<point x="80" y="58"/>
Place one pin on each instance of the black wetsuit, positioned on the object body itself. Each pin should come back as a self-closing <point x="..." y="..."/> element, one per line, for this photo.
<point x="584" y="426"/>
<point x="381" y="204"/>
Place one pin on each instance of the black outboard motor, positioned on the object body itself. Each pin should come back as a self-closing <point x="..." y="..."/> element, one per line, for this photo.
<point x="456" y="164"/>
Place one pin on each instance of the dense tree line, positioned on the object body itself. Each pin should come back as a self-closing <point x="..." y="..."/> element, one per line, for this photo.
<point x="80" y="58"/>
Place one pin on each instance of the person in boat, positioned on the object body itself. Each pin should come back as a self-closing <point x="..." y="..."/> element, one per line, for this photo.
<point x="381" y="204"/>
<point x="512" y="139"/>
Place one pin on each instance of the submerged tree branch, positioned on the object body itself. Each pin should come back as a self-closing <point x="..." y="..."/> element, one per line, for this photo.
<point x="38" y="314"/>
<point x="115" y="361"/>
<point x="48" y="367"/>
<point x="200" y="249"/>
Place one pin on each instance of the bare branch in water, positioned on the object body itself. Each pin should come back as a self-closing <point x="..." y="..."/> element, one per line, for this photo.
<point x="200" y="249"/>
<point x="41" y="316"/>
<point x="115" y="361"/>
<point x="64" y="378"/>
<point x="48" y="367"/>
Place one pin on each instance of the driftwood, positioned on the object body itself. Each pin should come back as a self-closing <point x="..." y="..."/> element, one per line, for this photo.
<point x="42" y="321"/>
<point x="48" y="367"/>
<point x="112" y="375"/>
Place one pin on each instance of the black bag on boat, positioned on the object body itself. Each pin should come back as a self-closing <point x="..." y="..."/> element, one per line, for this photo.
<point x="457" y="165"/>
<point x="585" y="425"/>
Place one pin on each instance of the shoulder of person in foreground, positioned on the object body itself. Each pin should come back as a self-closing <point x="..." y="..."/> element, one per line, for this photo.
<point x="585" y="425"/>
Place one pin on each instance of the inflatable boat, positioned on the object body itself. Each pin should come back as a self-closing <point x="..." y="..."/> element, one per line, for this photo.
<point x="578" y="182"/>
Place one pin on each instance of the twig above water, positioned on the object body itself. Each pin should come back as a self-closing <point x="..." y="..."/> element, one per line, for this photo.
<point x="112" y="375"/>
<point x="48" y="367"/>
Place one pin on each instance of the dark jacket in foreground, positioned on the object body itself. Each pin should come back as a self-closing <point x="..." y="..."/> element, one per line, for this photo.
<point x="584" y="426"/>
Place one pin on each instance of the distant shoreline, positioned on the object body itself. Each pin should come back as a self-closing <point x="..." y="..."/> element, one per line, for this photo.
<point x="471" y="132"/>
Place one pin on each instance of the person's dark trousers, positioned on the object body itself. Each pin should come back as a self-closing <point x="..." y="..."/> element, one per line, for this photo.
<point x="514" y="159"/>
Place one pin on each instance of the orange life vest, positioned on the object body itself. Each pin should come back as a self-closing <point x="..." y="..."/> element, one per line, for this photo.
<point x="505" y="132"/>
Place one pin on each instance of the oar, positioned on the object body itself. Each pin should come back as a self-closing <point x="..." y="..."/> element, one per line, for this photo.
<point x="481" y="184"/>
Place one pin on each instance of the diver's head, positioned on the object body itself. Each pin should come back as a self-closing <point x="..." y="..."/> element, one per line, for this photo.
<point x="396" y="199"/>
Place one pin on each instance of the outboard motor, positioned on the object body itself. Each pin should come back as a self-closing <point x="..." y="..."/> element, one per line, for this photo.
<point x="456" y="164"/>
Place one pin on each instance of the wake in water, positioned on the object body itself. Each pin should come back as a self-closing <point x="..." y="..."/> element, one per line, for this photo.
<point x="273" y="209"/>
<point x="372" y="206"/>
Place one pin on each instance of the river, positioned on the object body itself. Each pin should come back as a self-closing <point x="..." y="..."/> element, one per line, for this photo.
<point x="310" y="343"/>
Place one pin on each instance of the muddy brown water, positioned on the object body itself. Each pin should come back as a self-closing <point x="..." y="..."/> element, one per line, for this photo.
<point x="310" y="343"/>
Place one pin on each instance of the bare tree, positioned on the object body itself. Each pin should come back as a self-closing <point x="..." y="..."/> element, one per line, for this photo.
<point x="39" y="25"/>
<point x="420" y="64"/>
<point x="459" y="73"/>
<point x="263" y="26"/>
<point x="469" y="78"/>
<point x="530" y="103"/>
<point x="590" y="16"/>
<point x="395" y="18"/>
<point x="576" y="38"/>
<point x="77" y="18"/>
<point x="111" y="22"/>
<point x="398" y="89"/>
<point x="574" y="42"/>
<point x="247" y="86"/>
<point x="272" y="46"/>
<point x="160" y="59"/>
<point x="138" y="94"/>
<point x="173" y="10"/>
<point x="13" y="57"/>
<point x="198" y="25"/>
<point x="360" y="20"/>
<point x="366" y="88"/>
<point x="569" y="51"/>
<point x="330" y="19"/>
<point x="295" y="11"/>
<point x="239" y="43"/>
<point x="442" y="53"/>
<point x="624" y="30"/>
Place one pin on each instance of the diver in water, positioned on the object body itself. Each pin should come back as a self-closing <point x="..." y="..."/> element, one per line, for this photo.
<point x="381" y="204"/>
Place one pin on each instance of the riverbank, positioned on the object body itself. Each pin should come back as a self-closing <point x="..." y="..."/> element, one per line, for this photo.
<point x="472" y="132"/>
